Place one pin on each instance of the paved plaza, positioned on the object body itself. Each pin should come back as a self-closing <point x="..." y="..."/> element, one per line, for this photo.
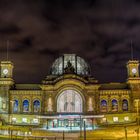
<point x="104" y="133"/>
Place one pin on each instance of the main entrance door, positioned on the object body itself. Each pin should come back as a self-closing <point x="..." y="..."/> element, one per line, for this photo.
<point x="69" y="123"/>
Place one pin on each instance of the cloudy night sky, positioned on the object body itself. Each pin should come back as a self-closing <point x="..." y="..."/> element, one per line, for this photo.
<point x="39" y="31"/>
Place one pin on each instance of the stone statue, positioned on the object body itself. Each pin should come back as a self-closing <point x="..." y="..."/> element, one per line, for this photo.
<point x="69" y="68"/>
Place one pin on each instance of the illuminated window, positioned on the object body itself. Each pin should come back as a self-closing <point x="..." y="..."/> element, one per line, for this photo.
<point x="35" y="120"/>
<point x="26" y="133"/>
<point x="126" y="118"/>
<point x="114" y="105"/>
<point x="103" y="106"/>
<point x="24" y="120"/>
<point x="125" y="105"/>
<point x="69" y="101"/>
<point x="115" y="119"/>
<point x="15" y="106"/>
<point x="104" y="120"/>
<point x="25" y="106"/>
<point x="36" y="106"/>
<point x="14" y="120"/>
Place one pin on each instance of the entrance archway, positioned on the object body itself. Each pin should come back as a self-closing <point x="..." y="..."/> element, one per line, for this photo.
<point x="69" y="101"/>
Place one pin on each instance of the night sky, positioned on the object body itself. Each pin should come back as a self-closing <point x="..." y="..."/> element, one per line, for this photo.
<point x="39" y="31"/>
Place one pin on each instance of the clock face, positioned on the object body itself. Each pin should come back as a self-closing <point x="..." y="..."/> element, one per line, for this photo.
<point x="5" y="71"/>
<point x="134" y="70"/>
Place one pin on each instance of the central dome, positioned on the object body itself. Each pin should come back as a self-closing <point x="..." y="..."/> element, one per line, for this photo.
<point x="70" y="63"/>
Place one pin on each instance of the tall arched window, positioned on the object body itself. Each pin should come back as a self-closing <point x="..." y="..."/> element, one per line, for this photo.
<point x="125" y="105"/>
<point x="114" y="105"/>
<point x="15" y="106"/>
<point x="25" y="106"/>
<point x="69" y="101"/>
<point x="103" y="106"/>
<point x="36" y="105"/>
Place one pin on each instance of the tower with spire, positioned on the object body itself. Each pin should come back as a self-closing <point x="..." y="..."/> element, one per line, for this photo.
<point x="6" y="82"/>
<point x="133" y="69"/>
<point x="6" y="71"/>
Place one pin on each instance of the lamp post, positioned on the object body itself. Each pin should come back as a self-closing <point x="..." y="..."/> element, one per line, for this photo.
<point x="84" y="130"/>
<point x="10" y="120"/>
<point x="80" y="127"/>
<point x="125" y="132"/>
<point x="137" y="131"/>
<point x="47" y="123"/>
<point x="9" y="131"/>
<point x="63" y="135"/>
<point x="137" y="119"/>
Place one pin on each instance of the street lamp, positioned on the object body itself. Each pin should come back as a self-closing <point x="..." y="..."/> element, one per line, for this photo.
<point x="137" y="119"/>
<point x="137" y="131"/>
<point x="63" y="135"/>
<point x="84" y="130"/>
<point x="125" y="132"/>
<point x="80" y="126"/>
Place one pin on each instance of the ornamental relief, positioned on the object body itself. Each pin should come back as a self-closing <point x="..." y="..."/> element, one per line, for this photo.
<point x="49" y="105"/>
<point x="90" y="104"/>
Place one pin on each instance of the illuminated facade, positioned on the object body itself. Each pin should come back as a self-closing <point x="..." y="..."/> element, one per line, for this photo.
<point x="69" y="96"/>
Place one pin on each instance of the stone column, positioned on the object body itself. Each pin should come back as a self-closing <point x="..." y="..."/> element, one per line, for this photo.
<point x="109" y="105"/>
<point x="43" y="105"/>
<point x="120" y="103"/>
<point x="31" y="104"/>
<point x="97" y="104"/>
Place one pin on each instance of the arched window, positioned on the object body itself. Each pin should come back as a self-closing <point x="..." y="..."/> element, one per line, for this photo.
<point x="25" y="106"/>
<point x="15" y="106"/>
<point x="69" y="101"/>
<point x="125" y="105"/>
<point x="103" y="106"/>
<point x="36" y="105"/>
<point x="114" y="105"/>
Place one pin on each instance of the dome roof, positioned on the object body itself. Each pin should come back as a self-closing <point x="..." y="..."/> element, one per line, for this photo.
<point x="70" y="63"/>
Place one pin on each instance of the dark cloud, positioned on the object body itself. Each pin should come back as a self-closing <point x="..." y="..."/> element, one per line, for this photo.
<point x="40" y="30"/>
<point x="51" y="52"/>
<point x="22" y="45"/>
<point x="9" y="29"/>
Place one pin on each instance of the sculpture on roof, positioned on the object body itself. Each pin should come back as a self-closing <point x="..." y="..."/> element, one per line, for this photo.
<point x="70" y="63"/>
<point x="69" y="68"/>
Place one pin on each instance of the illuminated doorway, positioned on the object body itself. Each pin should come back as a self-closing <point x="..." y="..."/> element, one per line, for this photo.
<point x="69" y="101"/>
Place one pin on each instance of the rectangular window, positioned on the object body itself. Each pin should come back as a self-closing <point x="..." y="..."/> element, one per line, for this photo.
<point x="115" y="119"/>
<point x="14" y="120"/>
<point x="35" y="120"/>
<point x="104" y="120"/>
<point x="24" y="120"/>
<point x="126" y="118"/>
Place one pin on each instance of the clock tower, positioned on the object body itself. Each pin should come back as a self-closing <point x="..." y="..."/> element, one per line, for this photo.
<point x="6" y="69"/>
<point x="6" y="73"/>
<point x="6" y="82"/>
<point x="133" y="70"/>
